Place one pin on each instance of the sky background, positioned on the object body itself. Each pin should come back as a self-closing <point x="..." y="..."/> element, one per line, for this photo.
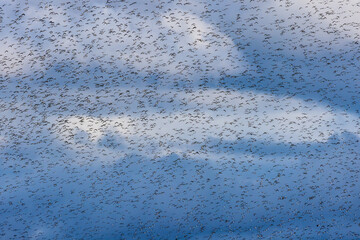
<point x="179" y="119"/>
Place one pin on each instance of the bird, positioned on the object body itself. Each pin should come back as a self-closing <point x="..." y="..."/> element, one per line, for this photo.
<point x="179" y="119"/>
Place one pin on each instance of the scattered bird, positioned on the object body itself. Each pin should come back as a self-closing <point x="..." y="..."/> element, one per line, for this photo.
<point x="179" y="120"/>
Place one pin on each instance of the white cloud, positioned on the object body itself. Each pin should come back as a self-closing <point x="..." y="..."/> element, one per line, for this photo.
<point x="225" y="115"/>
<point x="172" y="43"/>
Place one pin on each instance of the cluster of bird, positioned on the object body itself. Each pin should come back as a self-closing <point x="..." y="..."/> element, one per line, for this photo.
<point x="179" y="120"/>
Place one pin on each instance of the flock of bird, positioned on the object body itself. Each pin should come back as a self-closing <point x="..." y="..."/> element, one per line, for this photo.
<point x="179" y="120"/>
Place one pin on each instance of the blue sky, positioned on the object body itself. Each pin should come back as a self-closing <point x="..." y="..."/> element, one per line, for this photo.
<point x="187" y="119"/>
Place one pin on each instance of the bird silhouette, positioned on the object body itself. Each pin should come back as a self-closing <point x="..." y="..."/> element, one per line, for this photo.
<point x="179" y="120"/>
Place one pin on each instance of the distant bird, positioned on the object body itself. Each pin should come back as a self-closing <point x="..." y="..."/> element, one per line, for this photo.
<point x="179" y="120"/>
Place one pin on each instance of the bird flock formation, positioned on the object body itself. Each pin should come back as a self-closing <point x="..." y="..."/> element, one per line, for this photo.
<point x="179" y="119"/>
